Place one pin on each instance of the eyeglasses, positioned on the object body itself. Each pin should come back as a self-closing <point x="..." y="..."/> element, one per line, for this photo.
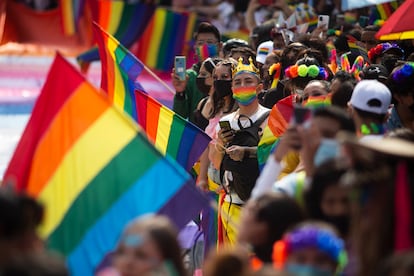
<point x="202" y="42"/>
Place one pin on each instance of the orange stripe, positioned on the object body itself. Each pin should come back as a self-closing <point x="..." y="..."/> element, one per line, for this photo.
<point x="110" y="68"/>
<point x="153" y="114"/>
<point x="61" y="138"/>
<point x="146" y="41"/>
<point x="104" y="14"/>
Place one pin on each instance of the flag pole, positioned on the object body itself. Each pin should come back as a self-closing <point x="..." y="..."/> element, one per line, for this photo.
<point x="158" y="79"/>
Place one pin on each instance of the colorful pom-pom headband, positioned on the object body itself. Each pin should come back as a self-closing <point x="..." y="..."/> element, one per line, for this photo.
<point x="403" y="73"/>
<point x="303" y="71"/>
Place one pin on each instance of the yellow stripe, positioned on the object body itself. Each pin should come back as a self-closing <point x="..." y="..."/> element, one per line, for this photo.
<point x="157" y="33"/>
<point x="82" y="163"/>
<point x="119" y="88"/>
<point x="68" y="17"/>
<point x="116" y="16"/>
<point x="382" y="12"/>
<point x="164" y="129"/>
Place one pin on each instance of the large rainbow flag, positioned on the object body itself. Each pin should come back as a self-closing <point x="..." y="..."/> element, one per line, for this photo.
<point x="125" y="21"/>
<point x="168" y="34"/>
<point x="170" y="133"/>
<point x="94" y="170"/>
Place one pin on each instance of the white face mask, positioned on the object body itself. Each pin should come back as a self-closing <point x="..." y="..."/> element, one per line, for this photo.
<point x="328" y="149"/>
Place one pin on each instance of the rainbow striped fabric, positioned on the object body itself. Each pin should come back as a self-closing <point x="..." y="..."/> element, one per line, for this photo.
<point x="168" y="34"/>
<point x="125" y="21"/>
<point x="382" y="11"/>
<point x="169" y="132"/>
<point x="71" y="12"/>
<point x="94" y="170"/>
<point x="277" y="123"/>
<point x="120" y="69"/>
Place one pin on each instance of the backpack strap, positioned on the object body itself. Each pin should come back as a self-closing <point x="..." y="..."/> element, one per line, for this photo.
<point x="262" y="118"/>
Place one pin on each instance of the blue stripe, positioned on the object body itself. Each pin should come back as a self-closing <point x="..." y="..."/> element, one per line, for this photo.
<point x="148" y="195"/>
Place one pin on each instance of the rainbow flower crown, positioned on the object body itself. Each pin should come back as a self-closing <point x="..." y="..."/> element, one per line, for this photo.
<point x="403" y="73"/>
<point x="245" y="68"/>
<point x="303" y="71"/>
<point x="310" y="236"/>
<point x="380" y="49"/>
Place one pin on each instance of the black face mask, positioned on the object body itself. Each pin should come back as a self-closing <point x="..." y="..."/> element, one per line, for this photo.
<point x="202" y="86"/>
<point x="222" y="88"/>
<point x="341" y="222"/>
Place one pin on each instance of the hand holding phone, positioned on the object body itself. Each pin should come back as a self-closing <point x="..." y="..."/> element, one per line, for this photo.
<point x="180" y="66"/>
<point x="225" y="125"/>
<point x="323" y="20"/>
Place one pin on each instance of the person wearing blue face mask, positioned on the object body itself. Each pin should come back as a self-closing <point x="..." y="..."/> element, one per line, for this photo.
<point x="316" y="143"/>
<point x="207" y="44"/>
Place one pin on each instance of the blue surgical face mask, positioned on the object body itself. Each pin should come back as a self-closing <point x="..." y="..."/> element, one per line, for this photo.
<point x="306" y="270"/>
<point x="328" y="149"/>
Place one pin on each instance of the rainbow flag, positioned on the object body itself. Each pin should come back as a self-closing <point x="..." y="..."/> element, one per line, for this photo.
<point x="382" y="11"/>
<point x="94" y="170"/>
<point x="315" y="102"/>
<point x="277" y="123"/>
<point x="168" y="34"/>
<point x="71" y="12"/>
<point x="125" y="21"/>
<point x="169" y="132"/>
<point x="120" y="69"/>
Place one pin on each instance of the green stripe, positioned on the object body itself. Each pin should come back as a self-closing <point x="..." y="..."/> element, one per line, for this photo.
<point x="165" y="44"/>
<point x="127" y="13"/>
<point x="119" y="57"/>
<point x="176" y="132"/>
<point x="117" y="177"/>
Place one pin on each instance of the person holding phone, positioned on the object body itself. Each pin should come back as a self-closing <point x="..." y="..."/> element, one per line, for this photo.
<point x="236" y="148"/>
<point x="207" y="44"/>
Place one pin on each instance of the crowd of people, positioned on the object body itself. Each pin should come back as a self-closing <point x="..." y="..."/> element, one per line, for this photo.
<point x="333" y="194"/>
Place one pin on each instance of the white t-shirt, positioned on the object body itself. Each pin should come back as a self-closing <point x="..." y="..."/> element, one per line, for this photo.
<point x="233" y="118"/>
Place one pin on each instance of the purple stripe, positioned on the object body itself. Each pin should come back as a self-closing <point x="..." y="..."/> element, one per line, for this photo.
<point x="201" y="142"/>
<point x="175" y="207"/>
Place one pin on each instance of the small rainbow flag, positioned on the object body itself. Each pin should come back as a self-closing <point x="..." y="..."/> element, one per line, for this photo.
<point x="94" y="170"/>
<point x="71" y="12"/>
<point x="120" y="69"/>
<point x="167" y="35"/>
<point x="382" y="11"/>
<point x="125" y="21"/>
<point x="277" y="123"/>
<point x="169" y="132"/>
<point x="315" y="102"/>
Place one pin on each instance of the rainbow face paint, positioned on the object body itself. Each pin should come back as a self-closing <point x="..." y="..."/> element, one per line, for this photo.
<point x="206" y="50"/>
<point x="244" y="95"/>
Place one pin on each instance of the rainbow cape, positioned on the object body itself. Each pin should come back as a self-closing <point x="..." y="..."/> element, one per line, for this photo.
<point x="168" y="34"/>
<point x="125" y="21"/>
<point x="94" y="170"/>
<point x="277" y="123"/>
<point x="169" y="132"/>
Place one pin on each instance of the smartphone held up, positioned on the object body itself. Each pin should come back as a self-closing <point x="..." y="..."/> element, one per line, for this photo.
<point x="180" y="66"/>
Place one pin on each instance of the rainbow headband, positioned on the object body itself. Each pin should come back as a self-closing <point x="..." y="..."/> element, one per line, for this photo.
<point x="310" y="236"/>
<point x="303" y="71"/>
<point x="403" y="73"/>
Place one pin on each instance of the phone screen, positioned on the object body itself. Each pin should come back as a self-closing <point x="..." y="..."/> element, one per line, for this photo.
<point x="179" y="65"/>
<point x="225" y="125"/>
<point x="301" y="114"/>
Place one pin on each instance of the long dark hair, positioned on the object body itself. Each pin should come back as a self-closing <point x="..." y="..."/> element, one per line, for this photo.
<point x="218" y="102"/>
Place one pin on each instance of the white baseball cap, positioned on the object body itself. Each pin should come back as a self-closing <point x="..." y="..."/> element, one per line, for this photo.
<point x="263" y="50"/>
<point x="371" y="96"/>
